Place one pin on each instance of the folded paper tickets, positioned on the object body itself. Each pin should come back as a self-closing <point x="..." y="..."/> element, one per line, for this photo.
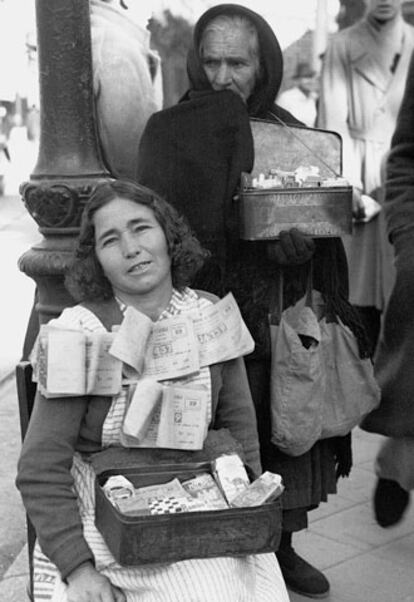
<point x="266" y="488"/>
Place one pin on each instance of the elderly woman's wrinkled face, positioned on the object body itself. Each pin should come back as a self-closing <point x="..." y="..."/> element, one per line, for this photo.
<point x="132" y="249"/>
<point x="383" y="10"/>
<point x="229" y="60"/>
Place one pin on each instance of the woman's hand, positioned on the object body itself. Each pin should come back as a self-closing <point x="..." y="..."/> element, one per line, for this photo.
<point x="292" y="248"/>
<point x="358" y="211"/>
<point x="87" y="585"/>
<point x="368" y="209"/>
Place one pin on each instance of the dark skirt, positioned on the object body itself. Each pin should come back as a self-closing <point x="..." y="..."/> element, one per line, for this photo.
<point x="308" y="478"/>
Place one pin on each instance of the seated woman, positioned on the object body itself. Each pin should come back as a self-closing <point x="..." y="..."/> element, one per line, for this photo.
<point x="133" y="251"/>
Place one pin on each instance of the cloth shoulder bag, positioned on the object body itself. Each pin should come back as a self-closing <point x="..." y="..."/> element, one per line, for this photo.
<point x="351" y="389"/>
<point x="320" y="387"/>
<point x="297" y="382"/>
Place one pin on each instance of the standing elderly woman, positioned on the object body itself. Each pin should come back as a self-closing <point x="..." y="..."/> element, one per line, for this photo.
<point x="193" y="154"/>
<point x="133" y="250"/>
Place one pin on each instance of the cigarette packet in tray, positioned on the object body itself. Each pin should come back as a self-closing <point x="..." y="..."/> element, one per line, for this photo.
<point x="265" y="489"/>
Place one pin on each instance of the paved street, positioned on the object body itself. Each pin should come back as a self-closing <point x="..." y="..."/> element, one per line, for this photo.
<point x="363" y="562"/>
<point x="17" y="233"/>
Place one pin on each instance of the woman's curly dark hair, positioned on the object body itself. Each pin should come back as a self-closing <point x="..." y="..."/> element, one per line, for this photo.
<point x="85" y="279"/>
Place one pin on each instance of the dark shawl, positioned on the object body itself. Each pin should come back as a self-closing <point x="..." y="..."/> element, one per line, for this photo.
<point x="193" y="154"/>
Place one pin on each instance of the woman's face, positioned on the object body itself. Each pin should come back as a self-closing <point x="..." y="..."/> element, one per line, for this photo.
<point x="229" y="61"/>
<point x="132" y="249"/>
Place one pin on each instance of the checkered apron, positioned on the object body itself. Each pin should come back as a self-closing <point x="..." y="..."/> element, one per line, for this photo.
<point x="254" y="578"/>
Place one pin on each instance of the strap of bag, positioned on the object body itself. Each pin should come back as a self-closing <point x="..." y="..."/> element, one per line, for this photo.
<point x="276" y="294"/>
<point x="276" y="298"/>
<point x="309" y="285"/>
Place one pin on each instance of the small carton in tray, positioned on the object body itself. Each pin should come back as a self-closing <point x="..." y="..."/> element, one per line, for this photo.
<point x="142" y="539"/>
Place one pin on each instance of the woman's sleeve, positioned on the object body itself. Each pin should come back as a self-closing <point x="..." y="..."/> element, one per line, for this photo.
<point x="46" y="484"/>
<point x="235" y="411"/>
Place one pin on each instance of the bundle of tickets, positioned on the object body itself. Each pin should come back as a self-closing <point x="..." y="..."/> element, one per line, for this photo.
<point x="70" y="362"/>
<point x="266" y="488"/>
<point x="180" y="345"/>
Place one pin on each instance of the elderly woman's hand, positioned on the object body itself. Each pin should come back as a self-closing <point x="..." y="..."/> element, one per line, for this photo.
<point x="292" y="248"/>
<point x="87" y="585"/>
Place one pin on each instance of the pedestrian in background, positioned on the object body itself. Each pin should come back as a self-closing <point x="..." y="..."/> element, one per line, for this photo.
<point x="362" y="85"/>
<point x="394" y="365"/>
<point x="127" y="83"/>
<point x="301" y="99"/>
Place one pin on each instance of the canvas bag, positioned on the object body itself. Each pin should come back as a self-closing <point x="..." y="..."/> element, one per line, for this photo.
<point x="351" y="389"/>
<point x="297" y="382"/>
<point x="320" y="387"/>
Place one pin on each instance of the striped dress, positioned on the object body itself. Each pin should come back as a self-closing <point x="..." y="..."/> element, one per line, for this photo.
<point x="254" y="578"/>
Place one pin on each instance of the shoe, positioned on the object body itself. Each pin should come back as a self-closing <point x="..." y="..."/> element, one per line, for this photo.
<point x="390" y="502"/>
<point x="300" y="576"/>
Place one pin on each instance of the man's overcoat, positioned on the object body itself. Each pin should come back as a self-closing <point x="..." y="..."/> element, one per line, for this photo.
<point x="362" y="85"/>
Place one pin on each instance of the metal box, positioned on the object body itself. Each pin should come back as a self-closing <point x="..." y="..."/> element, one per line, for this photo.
<point x="140" y="540"/>
<point x="318" y="211"/>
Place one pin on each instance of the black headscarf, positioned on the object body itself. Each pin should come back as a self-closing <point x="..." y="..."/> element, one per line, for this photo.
<point x="263" y="97"/>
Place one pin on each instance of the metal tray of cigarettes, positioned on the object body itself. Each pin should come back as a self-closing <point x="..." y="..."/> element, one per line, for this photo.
<point x="146" y="539"/>
<point x="295" y="183"/>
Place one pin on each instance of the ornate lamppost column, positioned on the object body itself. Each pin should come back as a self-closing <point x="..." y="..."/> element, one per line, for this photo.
<point x="69" y="164"/>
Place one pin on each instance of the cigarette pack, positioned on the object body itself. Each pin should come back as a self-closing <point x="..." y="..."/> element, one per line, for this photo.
<point x="118" y="488"/>
<point x="265" y="489"/>
<point x="139" y="503"/>
<point x="231" y="475"/>
<point x="204" y="488"/>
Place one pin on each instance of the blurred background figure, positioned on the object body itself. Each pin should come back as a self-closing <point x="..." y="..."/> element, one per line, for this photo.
<point x="301" y="99"/>
<point x="127" y="83"/>
<point x="395" y="415"/>
<point x="4" y="150"/>
<point x="362" y="84"/>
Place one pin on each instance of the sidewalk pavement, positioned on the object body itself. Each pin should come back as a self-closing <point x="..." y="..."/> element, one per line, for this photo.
<point x="18" y="232"/>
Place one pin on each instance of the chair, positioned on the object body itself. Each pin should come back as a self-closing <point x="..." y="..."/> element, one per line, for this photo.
<point x="26" y="392"/>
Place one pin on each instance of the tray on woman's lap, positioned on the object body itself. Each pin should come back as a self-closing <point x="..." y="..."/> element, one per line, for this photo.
<point x="140" y="540"/>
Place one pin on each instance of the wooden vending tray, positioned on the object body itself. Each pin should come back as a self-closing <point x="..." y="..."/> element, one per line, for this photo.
<point x="140" y="540"/>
